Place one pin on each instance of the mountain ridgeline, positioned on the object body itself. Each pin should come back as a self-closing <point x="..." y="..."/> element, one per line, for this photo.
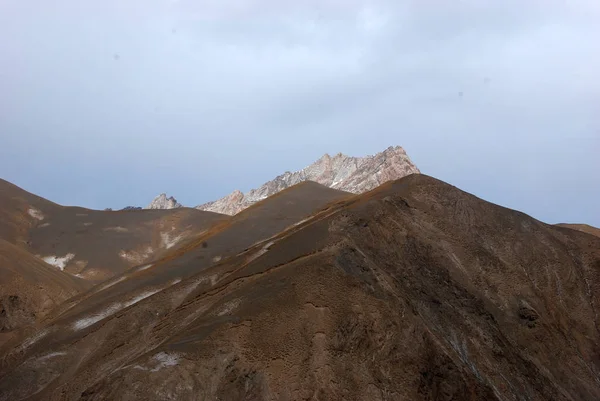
<point x="345" y="173"/>
<point x="352" y="279"/>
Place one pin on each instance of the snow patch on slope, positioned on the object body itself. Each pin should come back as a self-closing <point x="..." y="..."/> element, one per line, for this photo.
<point x="58" y="261"/>
<point x="136" y="257"/>
<point x="168" y="241"/>
<point x="165" y="360"/>
<point x="229" y="307"/>
<point x="36" y="214"/>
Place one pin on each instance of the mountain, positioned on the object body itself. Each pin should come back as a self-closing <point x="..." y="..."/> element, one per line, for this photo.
<point x="30" y="288"/>
<point x="414" y="290"/>
<point x="228" y="238"/>
<point x="583" y="228"/>
<point x="162" y="202"/>
<point x="350" y="174"/>
<point x="20" y="211"/>
<point x="93" y="244"/>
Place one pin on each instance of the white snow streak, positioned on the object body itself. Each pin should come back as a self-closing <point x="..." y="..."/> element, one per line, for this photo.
<point x="143" y="295"/>
<point x="261" y="252"/>
<point x="139" y="269"/>
<point x="111" y="283"/>
<point x="88" y="321"/>
<point x="51" y="355"/>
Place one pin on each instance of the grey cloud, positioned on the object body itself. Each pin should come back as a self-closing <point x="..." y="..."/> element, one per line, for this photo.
<point x="205" y="97"/>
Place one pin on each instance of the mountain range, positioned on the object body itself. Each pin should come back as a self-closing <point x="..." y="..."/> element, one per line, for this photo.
<point x="353" y="279"/>
<point x="346" y="173"/>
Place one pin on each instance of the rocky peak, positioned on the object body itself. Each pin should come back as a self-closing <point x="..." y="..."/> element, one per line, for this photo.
<point x="162" y="202"/>
<point x="346" y="173"/>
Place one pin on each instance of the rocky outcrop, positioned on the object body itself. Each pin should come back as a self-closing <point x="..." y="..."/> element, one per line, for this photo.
<point x="162" y="202"/>
<point x="351" y="174"/>
<point x="231" y="204"/>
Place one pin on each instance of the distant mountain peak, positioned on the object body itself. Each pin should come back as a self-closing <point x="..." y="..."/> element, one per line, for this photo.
<point x="342" y="172"/>
<point x="163" y="202"/>
<point x="346" y="173"/>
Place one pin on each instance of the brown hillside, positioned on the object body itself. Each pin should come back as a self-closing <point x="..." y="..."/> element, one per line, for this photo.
<point x="93" y="244"/>
<point x="583" y="228"/>
<point x="414" y="291"/>
<point x="107" y="243"/>
<point x="19" y="211"/>
<point x="30" y="288"/>
<point x="228" y="238"/>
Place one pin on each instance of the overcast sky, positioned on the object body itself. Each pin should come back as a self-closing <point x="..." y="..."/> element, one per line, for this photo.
<point x="108" y="103"/>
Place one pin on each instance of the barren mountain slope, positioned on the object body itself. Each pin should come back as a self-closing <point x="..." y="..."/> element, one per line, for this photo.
<point x="30" y="288"/>
<point x="351" y="174"/>
<point x="97" y="244"/>
<point x="94" y="244"/>
<point x="415" y="290"/>
<point x="228" y="238"/>
<point x="19" y="211"/>
<point x="583" y="228"/>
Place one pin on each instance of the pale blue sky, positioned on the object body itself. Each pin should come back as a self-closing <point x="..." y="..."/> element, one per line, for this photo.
<point x="108" y="103"/>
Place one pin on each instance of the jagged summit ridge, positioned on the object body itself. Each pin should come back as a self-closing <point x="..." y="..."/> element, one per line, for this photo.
<point x="346" y="173"/>
<point x="162" y="202"/>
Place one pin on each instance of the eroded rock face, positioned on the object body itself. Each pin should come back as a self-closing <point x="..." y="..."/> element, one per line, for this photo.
<point x="162" y="202"/>
<point x="350" y="174"/>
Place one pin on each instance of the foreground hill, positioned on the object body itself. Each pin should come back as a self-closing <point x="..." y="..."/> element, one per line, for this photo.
<point x="229" y="238"/>
<point x="415" y="290"/>
<point x="93" y="244"/>
<point x="30" y="288"/>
